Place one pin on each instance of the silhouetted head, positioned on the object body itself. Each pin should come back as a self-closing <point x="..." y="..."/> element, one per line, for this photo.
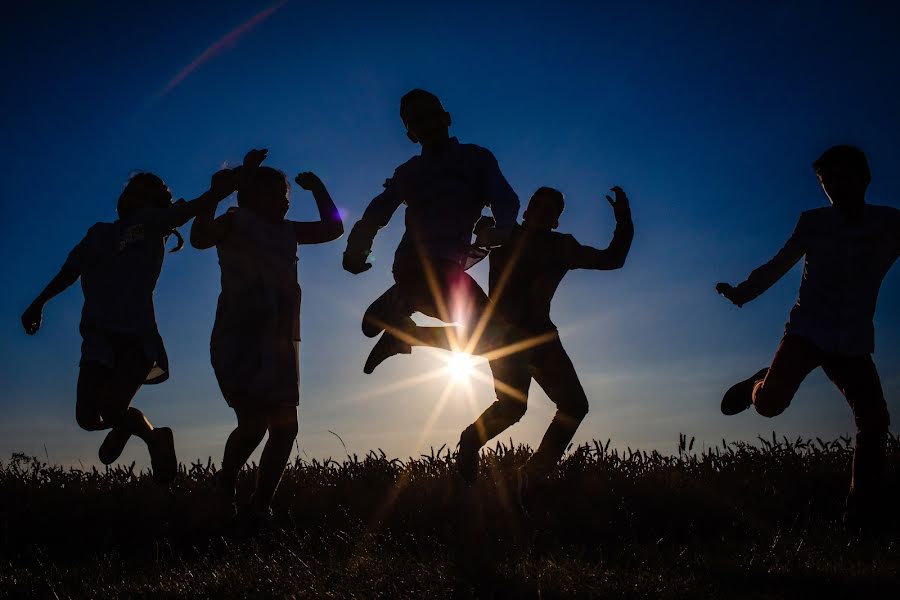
<point x="426" y="121"/>
<point x="143" y="190"/>
<point x="544" y="209"/>
<point x="844" y="174"/>
<point x="146" y="190"/>
<point x="267" y="193"/>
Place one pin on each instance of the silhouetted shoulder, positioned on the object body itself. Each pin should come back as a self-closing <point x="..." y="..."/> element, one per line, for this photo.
<point x="403" y="173"/>
<point x="478" y="154"/>
<point x="888" y="213"/>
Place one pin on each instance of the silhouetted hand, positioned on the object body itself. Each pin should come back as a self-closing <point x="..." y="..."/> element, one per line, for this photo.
<point x="483" y="222"/>
<point x="355" y="263"/>
<point x="309" y="181"/>
<point x="728" y="290"/>
<point x="223" y="183"/>
<point x="490" y="237"/>
<point x="620" y="206"/>
<point x="31" y="318"/>
<point x="255" y="157"/>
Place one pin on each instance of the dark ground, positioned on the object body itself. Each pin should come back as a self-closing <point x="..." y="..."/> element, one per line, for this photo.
<point x="739" y="521"/>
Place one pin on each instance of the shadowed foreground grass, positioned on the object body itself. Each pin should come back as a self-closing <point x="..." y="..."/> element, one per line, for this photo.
<point x="737" y="521"/>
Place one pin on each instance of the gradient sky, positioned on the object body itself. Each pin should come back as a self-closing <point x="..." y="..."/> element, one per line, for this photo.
<point x="709" y="117"/>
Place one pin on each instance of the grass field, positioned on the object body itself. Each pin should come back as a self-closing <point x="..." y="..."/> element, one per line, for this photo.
<point x="736" y="521"/>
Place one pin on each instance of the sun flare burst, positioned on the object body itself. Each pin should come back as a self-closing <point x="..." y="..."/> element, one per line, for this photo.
<point x="460" y="366"/>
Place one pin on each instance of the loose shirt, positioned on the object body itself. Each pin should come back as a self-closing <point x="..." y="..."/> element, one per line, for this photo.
<point x="846" y="261"/>
<point x="444" y="192"/>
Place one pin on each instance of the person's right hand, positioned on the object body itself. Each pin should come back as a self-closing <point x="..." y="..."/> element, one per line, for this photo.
<point x="255" y="157"/>
<point x="355" y="263"/>
<point x="31" y="318"/>
<point x="728" y="290"/>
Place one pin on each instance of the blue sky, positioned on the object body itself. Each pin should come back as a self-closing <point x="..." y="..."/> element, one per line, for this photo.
<point x="708" y="116"/>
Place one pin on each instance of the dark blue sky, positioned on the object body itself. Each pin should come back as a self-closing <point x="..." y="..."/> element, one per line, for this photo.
<point x="709" y="117"/>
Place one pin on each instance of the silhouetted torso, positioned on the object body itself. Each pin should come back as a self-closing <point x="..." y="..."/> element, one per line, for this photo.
<point x="258" y="312"/>
<point x="120" y="264"/>
<point x="445" y="192"/>
<point x="844" y="267"/>
<point x="537" y="263"/>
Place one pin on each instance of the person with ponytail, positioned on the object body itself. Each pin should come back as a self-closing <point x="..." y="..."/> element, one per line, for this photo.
<point x="118" y="264"/>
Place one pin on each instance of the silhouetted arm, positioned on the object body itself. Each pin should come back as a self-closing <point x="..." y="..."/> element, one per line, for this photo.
<point x="68" y="275"/>
<point x="502" y="200"/>
<point x="207" y="231"/>
<point x="329" y="227"/>
<point x="377" y="215"/>
<point x="765" y="276"/>
<point x="613" y="257"/>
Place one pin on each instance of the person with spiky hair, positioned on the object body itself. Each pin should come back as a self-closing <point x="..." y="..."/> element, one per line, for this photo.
<point x="444" y="189"/>
<point x="848" y="247"/>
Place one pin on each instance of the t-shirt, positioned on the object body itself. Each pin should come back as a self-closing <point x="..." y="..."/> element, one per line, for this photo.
<point x="846" y="261"/>
<point x="526" y="271"/>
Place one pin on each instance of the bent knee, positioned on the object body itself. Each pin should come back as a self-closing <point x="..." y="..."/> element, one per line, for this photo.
<point x="769" y="409"/>
<point x="285" y="432"/>
<point x="769" y="402"/>
<point x="92" y="422"/>
<point x="578" y="410"/>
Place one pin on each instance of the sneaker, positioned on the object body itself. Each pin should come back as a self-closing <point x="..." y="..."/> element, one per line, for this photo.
<point x="383" y="310"/>
<point x="162" y="455"/>
<point x="113" y="445"/>
<point x="223" y="501"/>
<point x="739" y="397"/>
<point x="387" y="345"/>
<point x="467" y="460"/>
<point x="253" y="520"/>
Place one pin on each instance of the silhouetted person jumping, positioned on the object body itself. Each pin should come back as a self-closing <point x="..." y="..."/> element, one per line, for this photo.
<point x="256" y="337"/>
<point x="849" y="248"/>
<point x="445" y="189"/>
<point x="119" y="264"/>
<point x="524" y="275"/>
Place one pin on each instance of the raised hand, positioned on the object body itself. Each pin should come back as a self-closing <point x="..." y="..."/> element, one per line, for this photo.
<point x="728" y="290"/>
<point x="309" y="181"/>
<point x="31" y="318"/>
<point x="255" y="157"/>
<point x="223" y="182"/>
<point x="621" y="207"/>
<point x="355" y="263"/>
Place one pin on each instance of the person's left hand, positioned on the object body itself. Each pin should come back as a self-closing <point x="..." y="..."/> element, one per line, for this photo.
<point x="621" y="207"/>
<point x="309" y="181"/>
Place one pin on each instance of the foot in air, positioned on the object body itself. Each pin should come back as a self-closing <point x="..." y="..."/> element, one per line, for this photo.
<point x="739" y="397"/>
<point x="387" y="345"/>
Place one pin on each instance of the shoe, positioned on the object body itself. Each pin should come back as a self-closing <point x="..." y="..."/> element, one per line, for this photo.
<point x="162" y="455"/>
<point x="383" y="310"/>
<point x="467" y="460"/>
<point x="223" y="501"/>
<point x="387" y="345"/>
<point x="254" y="520"/>
<point x="113" y="445"/>
<point x="739" y="397"/>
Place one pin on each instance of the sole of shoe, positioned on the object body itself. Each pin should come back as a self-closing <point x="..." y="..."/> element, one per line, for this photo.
<point x="113" y="445"/>
<point x="162" y="456"/>
<point x="739" y="397"/>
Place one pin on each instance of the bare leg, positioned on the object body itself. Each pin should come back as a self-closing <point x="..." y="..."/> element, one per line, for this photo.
<point x="241" y="443"/>
<point x="282" y="425"/>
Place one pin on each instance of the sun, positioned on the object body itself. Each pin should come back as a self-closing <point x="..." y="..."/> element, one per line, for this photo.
<point x="460" y="366"/>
